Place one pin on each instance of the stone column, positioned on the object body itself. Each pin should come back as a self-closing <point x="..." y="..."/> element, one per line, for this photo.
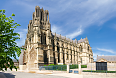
<point x="56" y="54"/>
<point x="75" y="57"/>
<point x="72" y="56"/>
<point x="50" y="55"/>
<point x="48" y="16"/>
<point x="69" y="56"/>
<point x="79" y="68"/>
<point x="37" y="57"/>
<point x="65" y="52"/>
<point x="65" y="55"/>
<point x="44" y="16"/>
<point x="90" y="58"/>
<point x="78" y="57"/>
<point x="61" y="55"/>
<point x="68" y="68"/>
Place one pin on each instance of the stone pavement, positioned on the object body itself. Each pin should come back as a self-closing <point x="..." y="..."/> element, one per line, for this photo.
<point x="28" y="75"/>
<point x="55" y="74"/>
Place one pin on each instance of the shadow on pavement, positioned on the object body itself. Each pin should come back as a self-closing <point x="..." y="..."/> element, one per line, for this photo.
<point x="9" y="75"/>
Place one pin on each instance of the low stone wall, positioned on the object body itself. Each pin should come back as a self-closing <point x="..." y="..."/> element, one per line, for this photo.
<point x="111" y="66"/>
<point x="91" y="66"/>
<point x="22" y="67"/>
<point x="98" y="75"/>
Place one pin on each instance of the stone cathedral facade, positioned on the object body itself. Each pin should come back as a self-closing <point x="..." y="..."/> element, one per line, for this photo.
<point x="45" y="47"/>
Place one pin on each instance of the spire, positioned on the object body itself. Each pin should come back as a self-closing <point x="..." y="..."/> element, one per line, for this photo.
<point x="86" y="38"/>
<point x="55" y="35"/>
<point x="42" y="8"/>
<point x="60" y="35"/>
<point x="37" y="11"/>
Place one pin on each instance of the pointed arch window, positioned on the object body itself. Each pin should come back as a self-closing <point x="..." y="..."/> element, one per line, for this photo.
<point x="88" y="48"/>
<point x="44" y="38"/>
<point x="80" y="48"/>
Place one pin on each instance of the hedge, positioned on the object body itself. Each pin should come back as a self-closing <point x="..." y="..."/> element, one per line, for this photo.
<point x="99" y="71"/>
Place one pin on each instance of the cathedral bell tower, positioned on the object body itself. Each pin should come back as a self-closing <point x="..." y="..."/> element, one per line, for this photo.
<point x="38" y="41"/>
<point x="41" y="24"/>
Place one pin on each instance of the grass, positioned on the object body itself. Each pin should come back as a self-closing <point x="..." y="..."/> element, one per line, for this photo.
<point x="99" y="71"/>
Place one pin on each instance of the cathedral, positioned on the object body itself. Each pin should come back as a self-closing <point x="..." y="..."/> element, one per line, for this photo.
<point x="45" y="47"/>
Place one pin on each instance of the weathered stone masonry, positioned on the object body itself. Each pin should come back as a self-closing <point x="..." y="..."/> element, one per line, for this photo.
<point x="44" y="47"/>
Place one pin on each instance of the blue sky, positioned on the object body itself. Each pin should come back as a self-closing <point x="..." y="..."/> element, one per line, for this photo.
<point x="95" y="19"/>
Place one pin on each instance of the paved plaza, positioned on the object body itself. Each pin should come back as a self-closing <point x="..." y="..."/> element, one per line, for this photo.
<point x="17" y="74"/>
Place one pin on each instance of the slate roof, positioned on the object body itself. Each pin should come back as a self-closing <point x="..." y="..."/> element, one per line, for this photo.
<point x="74" y="41"/>
<point x="108" y="58"/>
<point x="81" y="40"/>
<point x="62" y="37"/>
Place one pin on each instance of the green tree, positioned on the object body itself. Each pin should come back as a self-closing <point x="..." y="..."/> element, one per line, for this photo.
<point x="8" y="46"/>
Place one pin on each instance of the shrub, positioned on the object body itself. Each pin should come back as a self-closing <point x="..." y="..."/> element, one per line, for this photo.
<point x="99" y="71"/>
<point x="50" y="64"/>
<point x="83" y="66"/>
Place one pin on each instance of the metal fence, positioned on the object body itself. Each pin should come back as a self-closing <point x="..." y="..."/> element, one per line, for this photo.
<point x="74" y="66"/>
<point x="60" y="67"/>
<point x="55" y="67"/>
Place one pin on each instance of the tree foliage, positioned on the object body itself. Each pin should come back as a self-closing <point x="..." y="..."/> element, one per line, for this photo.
<point x="8" y="46"/>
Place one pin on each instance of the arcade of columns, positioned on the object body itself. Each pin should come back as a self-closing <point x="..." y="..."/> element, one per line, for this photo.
<point x="44" y="47"/>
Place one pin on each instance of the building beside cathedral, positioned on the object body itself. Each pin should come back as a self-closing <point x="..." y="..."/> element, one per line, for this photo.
<point x="45" y="47"/>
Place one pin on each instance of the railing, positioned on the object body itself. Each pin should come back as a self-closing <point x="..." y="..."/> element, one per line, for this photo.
<point x="55" y="67"/>
<point x="75" y="66"/>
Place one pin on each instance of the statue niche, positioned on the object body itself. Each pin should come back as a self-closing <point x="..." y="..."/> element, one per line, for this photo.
<point x="33" y="55"/>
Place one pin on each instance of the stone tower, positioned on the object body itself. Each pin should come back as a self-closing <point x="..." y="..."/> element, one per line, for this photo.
<point x="38" y="42"/>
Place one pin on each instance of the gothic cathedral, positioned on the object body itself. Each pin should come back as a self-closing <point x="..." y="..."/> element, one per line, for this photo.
<point x="45" y="47"/>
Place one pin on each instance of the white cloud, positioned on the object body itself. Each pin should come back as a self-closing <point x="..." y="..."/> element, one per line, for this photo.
<point x="95" y="55"/>
<point x="106" y="50"/>
<point x="102" y="51"/>
<point x="73" y="13"/>
<point x="75" y="33"/>
<point x="56" y="29"/>
<point x="22" y="33"/>
<point x="69" y="15"/>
